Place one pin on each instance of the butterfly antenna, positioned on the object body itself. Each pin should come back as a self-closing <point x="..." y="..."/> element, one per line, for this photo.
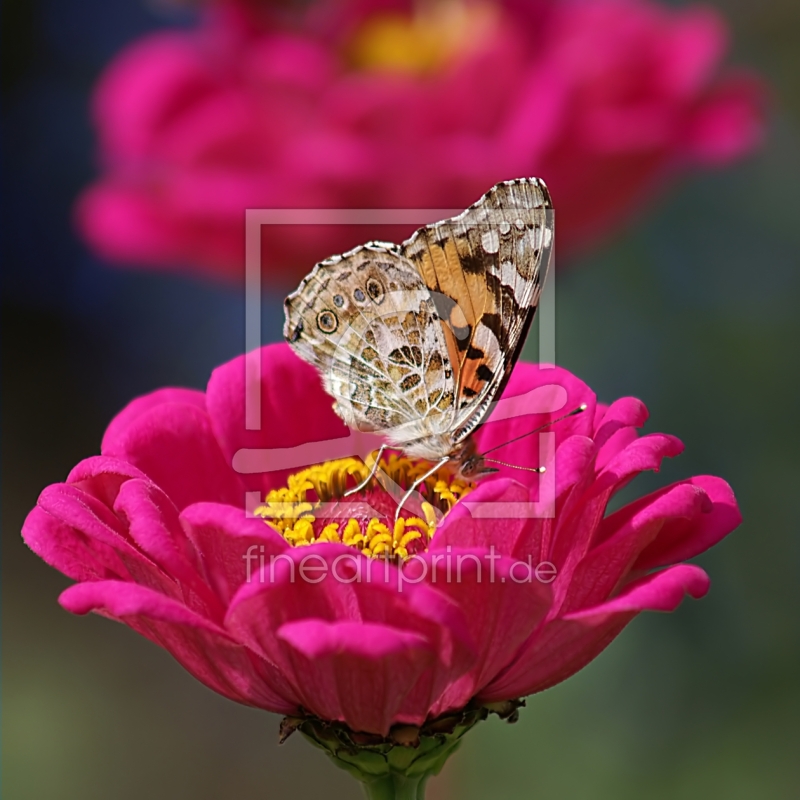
<point x="579" y="410"/>
<point x="516" y="466"/>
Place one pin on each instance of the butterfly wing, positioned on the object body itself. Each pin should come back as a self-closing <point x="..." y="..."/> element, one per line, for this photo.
<point x="485" y="269"/>
<point x="367" y="322"/>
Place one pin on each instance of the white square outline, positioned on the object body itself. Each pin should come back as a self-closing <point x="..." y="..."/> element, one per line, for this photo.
<point x="250" y="461"/>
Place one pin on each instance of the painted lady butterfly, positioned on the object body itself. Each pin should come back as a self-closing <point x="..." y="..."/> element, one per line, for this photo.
<point x="415" y="341"/>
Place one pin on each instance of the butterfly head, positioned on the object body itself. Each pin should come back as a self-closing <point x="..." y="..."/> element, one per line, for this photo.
<point x="471" y="463"/>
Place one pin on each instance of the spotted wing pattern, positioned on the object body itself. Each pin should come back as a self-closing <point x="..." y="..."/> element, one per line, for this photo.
<point x="368" y="323"/>
<point x="416" y="340"/>
<point x="485" y="270"/>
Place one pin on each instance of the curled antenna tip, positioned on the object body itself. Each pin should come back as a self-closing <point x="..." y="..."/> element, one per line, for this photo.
<point x="541" y="470"/>
<point x="577" y="410"/>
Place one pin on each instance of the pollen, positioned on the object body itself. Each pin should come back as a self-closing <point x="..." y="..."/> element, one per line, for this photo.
<point x="312" y="508"/>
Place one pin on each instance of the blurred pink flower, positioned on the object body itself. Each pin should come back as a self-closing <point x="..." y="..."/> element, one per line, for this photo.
<point x="394" y="104"/>
<point x="155" y="532"/>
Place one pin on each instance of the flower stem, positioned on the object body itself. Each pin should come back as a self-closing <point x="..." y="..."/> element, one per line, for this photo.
<point x="396" y="787"/>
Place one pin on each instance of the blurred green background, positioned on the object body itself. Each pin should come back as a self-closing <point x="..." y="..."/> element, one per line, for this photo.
<point x="695" y="310"/>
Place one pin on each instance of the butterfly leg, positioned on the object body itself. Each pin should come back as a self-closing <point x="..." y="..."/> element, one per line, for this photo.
<point x="418" y="482"/>
<point x="373" y="470"/>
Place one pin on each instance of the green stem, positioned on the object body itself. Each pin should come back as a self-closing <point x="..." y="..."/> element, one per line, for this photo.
<point x="397" y="766"/>
<point x="396" y="787"/>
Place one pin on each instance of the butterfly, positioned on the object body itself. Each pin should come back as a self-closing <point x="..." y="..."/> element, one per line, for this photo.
<point x="415" y="341"/>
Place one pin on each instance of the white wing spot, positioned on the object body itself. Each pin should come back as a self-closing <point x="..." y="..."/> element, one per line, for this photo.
<point x="511" y="278"/>
<point x="535" y="237"/>
<point x="505" y="227"/>
<point x="520" y="224"/>
<point x="490" y="241"/>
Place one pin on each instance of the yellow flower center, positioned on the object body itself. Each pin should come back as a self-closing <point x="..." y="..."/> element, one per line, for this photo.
<point x="435" y="35"/>
<point x="312" y="508"/>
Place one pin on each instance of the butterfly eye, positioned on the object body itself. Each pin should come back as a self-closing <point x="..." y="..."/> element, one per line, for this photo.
<point x="375" y="290"/>
<point x="327" y="321"/>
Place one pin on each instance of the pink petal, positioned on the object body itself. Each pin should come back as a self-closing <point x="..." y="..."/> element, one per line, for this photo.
<point x="154" y="526"/>
<point x="145" y="88"/>
<point x="201" y="647"/>
<point x="79" y="526"/>
<point x="123" y="223"/>
<point x="573" y="464"/>
<point x="71" y="526"/>
<point x="334" y="584"/>
<point x="615" y="444"/>
<point x="692" y="50"/>
<point x="609" y="562"/>
<point x="731" y="122"/>
<point x="366" y="641"/>
<point x="293" y="410"/>
<point x="141" y="405"/>
<point x="101" y="477"/>
<point x="584" y="509"/>
<point x="539" y="114"/>
<point x="680" y="539"/>
<point x="622" y="413"/>
<point x="645" y="453"/>
<point x="501" y="521"/>
<point x="565" y="645"/>
<point x="358" y="673"/>
<point x="230" y="546"/>
<point x="502" y="600"/>
<point x="535" y="396"/>
<point x="662" y="591"/>
<point x="173" y="444"/>
<point x="62" y="546"/>
<point x="558" y="651"/>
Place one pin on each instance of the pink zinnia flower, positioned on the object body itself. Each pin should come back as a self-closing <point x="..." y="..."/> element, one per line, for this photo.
<point x="397" y="104"/>
<point x="292" y="610"/>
